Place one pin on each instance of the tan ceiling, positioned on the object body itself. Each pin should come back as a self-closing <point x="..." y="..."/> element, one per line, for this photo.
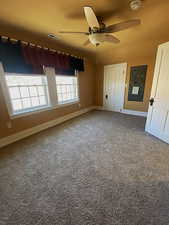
<point x="34" y="19"/>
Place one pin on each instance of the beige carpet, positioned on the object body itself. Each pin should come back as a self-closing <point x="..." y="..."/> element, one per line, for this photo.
<point x="98" y="169"/>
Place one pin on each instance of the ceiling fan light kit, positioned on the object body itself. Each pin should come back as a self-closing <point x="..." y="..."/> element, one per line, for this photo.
<point x="135" y="4"/>
<point x="99" y="32"/>
<point x="96" y="38"/>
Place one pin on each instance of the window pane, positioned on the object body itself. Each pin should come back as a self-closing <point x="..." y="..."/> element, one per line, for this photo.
<point x="41" y="91"/>
<point x="27" y="91"/>
<point x="64" y="97"/>
<point x="59" y="97"/>
<point x="17" y="104"/>
<point x="26" y="103"/>
<point x="59" y="89"/>
<point x="69" y="95"/>
<point x="66" y="88"/>
<point x="42" y="100"/>
<point x="24" y="92"/>
<point x="35" y="101"/>
<point x="14" y="92"/>
<point x="33" y="91"/>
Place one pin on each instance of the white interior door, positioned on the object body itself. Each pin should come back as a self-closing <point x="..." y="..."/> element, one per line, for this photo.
<point x="114" y="86"/>
<point x="158" y="114"/>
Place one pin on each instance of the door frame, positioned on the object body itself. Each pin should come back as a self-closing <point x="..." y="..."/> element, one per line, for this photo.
<point x="159" y="56"/>
<point x="124" y="67"/>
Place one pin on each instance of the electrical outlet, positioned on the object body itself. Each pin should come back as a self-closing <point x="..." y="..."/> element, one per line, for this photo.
<point x="9" y="124"/>
<point x="79" y="105"/>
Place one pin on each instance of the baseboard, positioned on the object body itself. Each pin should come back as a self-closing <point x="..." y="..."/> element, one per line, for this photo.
<point x="99" y="108"/>
<point x="133" y="112"/>
<point x="28" y="132"/>
<point x="126" y="111"/>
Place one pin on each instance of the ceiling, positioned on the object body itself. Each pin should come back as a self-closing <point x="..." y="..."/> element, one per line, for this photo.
<point x="35" y="19"/>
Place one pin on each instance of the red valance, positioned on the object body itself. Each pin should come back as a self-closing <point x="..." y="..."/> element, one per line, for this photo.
<point x="21" y="58"/>
<point x="39" y="57"/>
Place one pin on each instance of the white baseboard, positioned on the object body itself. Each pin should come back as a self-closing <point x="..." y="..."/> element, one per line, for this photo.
<point x="133" y="112"/>
<point x="126" y="111"/>
<point x="28" y="132"/>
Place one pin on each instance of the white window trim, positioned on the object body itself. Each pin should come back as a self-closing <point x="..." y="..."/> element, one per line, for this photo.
<point x="33" y="108"/>
<point x="77" y="100"/>
<point x="50" y="74"/>
<point x="41" y="109"/>
<point x="52" y="89"/>
<point x="5" y="90"/>
<point x="6" y="93"/>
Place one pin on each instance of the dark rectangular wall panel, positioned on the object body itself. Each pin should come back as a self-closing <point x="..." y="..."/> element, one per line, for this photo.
<point x="137" y="83"/>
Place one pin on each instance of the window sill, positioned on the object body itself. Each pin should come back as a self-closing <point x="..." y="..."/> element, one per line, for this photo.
<point x="64" y="104"/>
<point x="30" y="112"/>
<point x="42" y="109"/>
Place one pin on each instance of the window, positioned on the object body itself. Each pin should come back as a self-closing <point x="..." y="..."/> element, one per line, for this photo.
<point x="67" y="89"/>
<point x="27" y="92"/>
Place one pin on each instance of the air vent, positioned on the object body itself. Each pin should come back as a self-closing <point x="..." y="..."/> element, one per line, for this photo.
<point x="52" y="36"/>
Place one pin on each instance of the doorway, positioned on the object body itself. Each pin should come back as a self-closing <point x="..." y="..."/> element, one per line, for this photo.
<point x="114" y="87"/>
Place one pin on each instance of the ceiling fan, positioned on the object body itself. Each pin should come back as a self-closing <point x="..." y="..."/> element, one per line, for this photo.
<point x="98" y="31"/>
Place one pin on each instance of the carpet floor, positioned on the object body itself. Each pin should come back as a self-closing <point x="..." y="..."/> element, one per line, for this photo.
<point x="98" y="169"/>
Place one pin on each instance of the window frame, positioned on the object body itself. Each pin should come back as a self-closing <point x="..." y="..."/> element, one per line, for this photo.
<point x="32" y="108"/>
<point x="72" y="100"/>
<point x="52" y="92"/>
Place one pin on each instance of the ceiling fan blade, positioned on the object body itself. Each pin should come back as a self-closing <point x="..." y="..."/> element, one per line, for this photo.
<point x="73" y="32"/>
<point x="87" y="42"/>
<point x="91" y="17"/>
<point x="111" y="38"/>
<point x="121" y="26"/>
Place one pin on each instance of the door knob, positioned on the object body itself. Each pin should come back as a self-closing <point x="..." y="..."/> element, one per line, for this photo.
<point x="106" y="96"/>
<point x="151" y="101"/>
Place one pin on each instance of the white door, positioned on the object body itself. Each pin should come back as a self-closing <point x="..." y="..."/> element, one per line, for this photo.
<point x="114" y="86"/>
<point x="158" y="114"/>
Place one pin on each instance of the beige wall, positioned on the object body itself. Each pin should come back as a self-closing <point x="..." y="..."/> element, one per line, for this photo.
<point x="139" y="106"/>
<point x="87" y="92"/>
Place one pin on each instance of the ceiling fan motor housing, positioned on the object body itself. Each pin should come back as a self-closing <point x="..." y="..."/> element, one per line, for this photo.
<point x="96" y="38"/>
<point x="135" y="4"/>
